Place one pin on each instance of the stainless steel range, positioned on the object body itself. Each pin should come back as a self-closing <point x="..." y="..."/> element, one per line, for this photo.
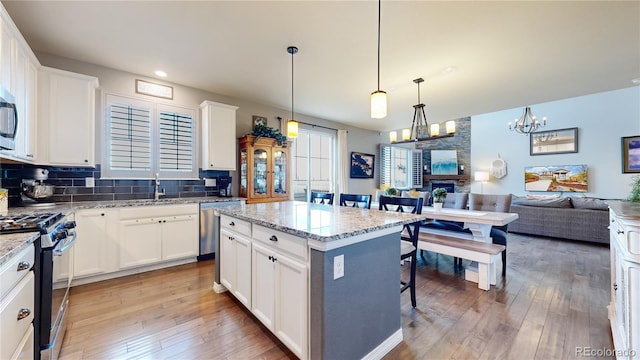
<point x="53" y="274"/>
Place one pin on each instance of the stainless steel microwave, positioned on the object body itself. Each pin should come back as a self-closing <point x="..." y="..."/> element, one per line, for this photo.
<point x="8" y="120"/>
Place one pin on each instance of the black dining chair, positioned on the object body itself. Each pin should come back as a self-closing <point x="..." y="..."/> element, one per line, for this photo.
<point x="408" y="237"/>
<point x="321" y="198"/>
<point x="356" y="200"/>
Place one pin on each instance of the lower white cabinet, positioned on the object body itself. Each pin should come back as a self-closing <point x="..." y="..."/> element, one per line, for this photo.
<point x="16" y="317"/>
<point x="235" y="270"/>
<point x="280" y="287"/>
<point x="624" y="313"/>
<point x="96" y="248"/>
<point x="149" y="235"/>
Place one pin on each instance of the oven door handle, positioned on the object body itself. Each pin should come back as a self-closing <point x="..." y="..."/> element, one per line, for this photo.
<point x="68" y="244"/>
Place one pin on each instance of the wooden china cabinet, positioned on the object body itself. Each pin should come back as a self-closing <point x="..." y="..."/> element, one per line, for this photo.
<point x="264" y="169"/>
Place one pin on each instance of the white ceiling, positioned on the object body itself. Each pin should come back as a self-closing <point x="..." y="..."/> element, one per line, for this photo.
<point x="506" y="54"/>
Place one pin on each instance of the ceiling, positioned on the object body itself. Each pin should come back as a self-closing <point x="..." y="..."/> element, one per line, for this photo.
<point x="504" y="54"/>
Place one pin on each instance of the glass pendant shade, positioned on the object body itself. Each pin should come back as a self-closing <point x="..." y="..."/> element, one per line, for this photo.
<point x="450" y="126"/>
<point x="435" y="129"/>
<point x="292" y="129"/>
<point x="378" y="104"/>
<point x="393" y="136"/>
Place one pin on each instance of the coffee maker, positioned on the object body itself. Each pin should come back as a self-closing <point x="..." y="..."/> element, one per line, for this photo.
<point x="224" y="186"/>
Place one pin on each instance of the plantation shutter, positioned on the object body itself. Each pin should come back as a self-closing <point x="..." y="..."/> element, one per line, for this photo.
<point x="416" y="169"/>
<point x="176" y="143"/>
<point x="385" y="166"/>
<point x="129" y="136"/>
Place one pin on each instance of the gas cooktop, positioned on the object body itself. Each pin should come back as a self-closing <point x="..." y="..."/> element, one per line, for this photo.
<point x="27" y="223"/>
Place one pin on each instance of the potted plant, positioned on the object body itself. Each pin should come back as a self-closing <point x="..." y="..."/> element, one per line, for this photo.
<point x="391" y="191"/>
<point x="439" y="194"/>
<point x="264" y="131"/>
<point x="635" y="189"/>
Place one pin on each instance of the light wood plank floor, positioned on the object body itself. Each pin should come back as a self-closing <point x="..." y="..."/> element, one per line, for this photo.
<point x="553" y="300"/>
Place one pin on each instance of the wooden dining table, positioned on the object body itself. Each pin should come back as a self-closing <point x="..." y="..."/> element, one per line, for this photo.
<point x="478" y="222"/>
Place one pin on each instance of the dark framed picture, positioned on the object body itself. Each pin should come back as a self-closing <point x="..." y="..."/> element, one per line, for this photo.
<point x="559" y="141"/>
<point x="259" y="120"/>
<point x="631" y="154"/>
<point x="362" y="165"/>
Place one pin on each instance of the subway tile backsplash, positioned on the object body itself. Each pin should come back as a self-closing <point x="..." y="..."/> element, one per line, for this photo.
<point x="71" y="186"/>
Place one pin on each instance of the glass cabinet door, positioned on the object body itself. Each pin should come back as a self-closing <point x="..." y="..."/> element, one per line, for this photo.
<point x="243" y="172"/>
<point x="279" y="172"/>
<point x="260" y="171"/>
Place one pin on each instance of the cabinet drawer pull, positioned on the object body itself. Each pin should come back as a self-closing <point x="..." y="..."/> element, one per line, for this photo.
<point x="615" y="287"/>
<point x="24" y="265"/>
<point x="620" y="231"/>
<point x="232" y="224"/>
<point x="23" y="313"/>
<point x="273" y="238"/>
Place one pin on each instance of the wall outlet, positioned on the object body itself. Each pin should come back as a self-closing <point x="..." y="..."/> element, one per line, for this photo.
<point x="338" y="266"/>
<point x="89" y="182"/>
<point x="210" y="182"/>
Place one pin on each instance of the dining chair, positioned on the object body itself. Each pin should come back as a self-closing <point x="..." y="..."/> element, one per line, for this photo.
<point x="321" y="198"/>
<point x="452" y="201"/>
<point x="408" y="237"/>
<point x="496" y="203"/>
<point x="356" y="200"/>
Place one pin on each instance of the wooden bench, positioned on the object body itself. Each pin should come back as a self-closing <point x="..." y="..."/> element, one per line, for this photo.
<point x="484" y="253"/>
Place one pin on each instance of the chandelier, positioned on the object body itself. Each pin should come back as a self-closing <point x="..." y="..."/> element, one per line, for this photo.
<point x="527" y="123"/>
<point x="420" y="129"/>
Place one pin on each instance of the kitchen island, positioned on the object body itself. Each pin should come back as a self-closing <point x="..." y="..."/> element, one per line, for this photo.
<point x="324" y="279"/>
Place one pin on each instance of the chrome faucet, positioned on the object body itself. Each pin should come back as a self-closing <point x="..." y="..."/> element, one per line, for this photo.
<point x="156" y="193"/>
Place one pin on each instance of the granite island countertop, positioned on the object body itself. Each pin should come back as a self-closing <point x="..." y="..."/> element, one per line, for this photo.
<point x="12" y="244"/>
<point x="319" y="222"/>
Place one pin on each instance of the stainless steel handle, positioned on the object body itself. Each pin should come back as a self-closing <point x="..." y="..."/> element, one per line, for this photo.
<point x="24" y="265"/>
<point x="23" y="313"/>
<point x="66" y="246"/>
<point x="273" y="238"/>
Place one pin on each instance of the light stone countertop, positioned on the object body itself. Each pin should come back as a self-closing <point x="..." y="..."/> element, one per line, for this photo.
<point x="319" y="222"/>
<point x="625" y="209"/>
<point x="12" y="244"/>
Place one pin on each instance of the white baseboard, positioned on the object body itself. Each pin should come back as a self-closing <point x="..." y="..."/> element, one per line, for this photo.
<point x="381" y="350"/>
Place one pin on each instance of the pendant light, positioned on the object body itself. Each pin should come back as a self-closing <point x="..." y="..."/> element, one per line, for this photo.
<point x="292" y="125"/>
<point x="379" y="97"/>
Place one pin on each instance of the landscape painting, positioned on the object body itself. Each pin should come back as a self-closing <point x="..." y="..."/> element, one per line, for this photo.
<point x="444" y="162"/>
<point x="571" y="178"/>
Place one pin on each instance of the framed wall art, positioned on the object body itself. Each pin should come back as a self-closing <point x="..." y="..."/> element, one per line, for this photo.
<point x="631" y="154"/>
<point x="259" y="120"/>
<point x="362" y="165"/>
<point x="570" y="178"/>
<point x="152" y="89"/>
<point x="444" y="162"/>
<point x="559" y="141"/>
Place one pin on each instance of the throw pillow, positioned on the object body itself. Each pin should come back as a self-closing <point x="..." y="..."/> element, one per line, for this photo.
<point x="589" y="203"/>
<point x="542" y="197"/>
<point x="564" y="202"/>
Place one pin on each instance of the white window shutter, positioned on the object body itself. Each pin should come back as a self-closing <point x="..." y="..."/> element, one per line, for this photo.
<point x="416" y="169"/>
<point x="385" y="166"/>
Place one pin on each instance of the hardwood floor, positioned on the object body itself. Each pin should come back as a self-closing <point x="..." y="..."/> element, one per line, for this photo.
<point x="552" y="301"/>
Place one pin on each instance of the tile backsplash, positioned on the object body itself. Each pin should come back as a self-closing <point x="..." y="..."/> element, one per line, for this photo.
<point x="71" y="186"/>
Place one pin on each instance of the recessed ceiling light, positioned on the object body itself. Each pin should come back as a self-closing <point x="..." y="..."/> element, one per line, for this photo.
<point x="161" y="73"/>
<point x="636" y="81"/>
<point x="449" y="70"/>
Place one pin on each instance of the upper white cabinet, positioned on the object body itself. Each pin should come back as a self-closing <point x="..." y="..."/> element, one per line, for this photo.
<point x="218" y="136"/>
<point x="18" y="75"/>
<point x="67" y="109"/>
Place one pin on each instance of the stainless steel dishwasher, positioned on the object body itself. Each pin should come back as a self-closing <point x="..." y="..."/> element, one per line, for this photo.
<point x="210" y="232"/>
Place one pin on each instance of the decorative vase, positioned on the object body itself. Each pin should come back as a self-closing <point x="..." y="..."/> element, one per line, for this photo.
<point x="437" y="206"/>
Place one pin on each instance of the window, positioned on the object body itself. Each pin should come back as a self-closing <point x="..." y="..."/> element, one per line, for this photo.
<point x="400" y="167"/>
<point x="313" y="154"/>
<point x="144" y="138"/>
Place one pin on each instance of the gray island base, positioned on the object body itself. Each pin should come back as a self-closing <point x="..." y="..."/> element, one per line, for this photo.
<point x="342" y="292"/>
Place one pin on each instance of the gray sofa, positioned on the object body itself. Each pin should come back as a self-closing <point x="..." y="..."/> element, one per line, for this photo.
<point x="574" y="218"/>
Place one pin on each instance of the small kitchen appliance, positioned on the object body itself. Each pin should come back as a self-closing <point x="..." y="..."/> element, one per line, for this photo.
<point x="34" y="191"/>
<point x="224" y="186"/>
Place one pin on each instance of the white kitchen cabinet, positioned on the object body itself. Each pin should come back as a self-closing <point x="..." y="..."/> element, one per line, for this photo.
<point x="17" y="305"/>
<point x="25" y="94"/>
<point x="154" y="234"/>
<point x="6" y="45"/>
<point x="280" y="286"/>
<point x="218" y="136"/>
<point x="96" y="248"/>
<point x="66" y="106"/>
<point x="235" y="271"/>
<point x="624" y="313"/>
